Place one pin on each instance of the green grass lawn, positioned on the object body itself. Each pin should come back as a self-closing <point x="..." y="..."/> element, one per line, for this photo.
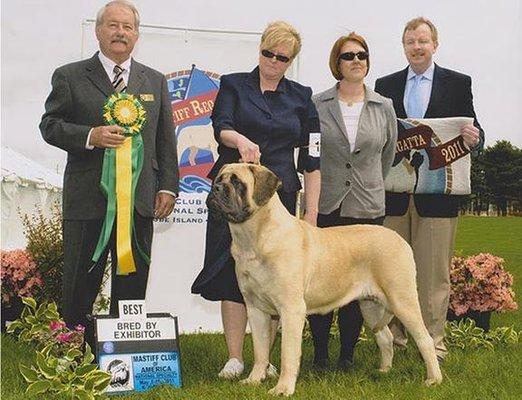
<point x="470" y="375"/>
<point x="502" y="237"/>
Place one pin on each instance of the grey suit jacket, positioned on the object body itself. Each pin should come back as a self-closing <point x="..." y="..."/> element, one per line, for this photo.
<point x="354" y="180"/>
<point x="75" y="105"/>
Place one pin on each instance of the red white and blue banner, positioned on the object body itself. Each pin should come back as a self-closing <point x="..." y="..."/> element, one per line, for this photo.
<point x="193" y="93"/>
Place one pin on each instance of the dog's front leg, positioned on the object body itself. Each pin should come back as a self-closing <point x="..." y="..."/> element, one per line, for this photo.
<point x="260" y="326"/>
<point x="292" y="322"/>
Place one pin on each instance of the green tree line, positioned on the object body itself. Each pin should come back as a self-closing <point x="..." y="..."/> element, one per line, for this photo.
<point x="496" y="179"/>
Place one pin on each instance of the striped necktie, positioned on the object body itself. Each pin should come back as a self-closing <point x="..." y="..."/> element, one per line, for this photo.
<point x="118" y="82"/>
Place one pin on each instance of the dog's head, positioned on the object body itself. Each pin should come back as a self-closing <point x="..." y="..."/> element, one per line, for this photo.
<point x="239" y="190"/>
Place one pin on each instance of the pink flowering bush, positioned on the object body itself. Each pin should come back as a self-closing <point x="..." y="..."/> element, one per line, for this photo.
<point x="19" y="274"/>
<point x="42" y="326"/>
<point x="62" y="338"/>
<point x="63" y="366"/>
<point x="480" y="283"/>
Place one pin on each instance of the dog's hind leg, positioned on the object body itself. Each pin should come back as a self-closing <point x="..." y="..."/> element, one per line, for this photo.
<point x="377" y="318"/>
<point x="292" y="323"/>
<point x="407" y="309"/>
<point x="260" y="327"/>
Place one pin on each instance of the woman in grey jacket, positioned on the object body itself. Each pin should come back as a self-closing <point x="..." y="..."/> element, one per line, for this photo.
<point x="358" y="135"/>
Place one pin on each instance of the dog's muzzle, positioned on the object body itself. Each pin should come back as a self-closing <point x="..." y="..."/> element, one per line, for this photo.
<point x="223" y="202"/>
<point x="213" y="203"/>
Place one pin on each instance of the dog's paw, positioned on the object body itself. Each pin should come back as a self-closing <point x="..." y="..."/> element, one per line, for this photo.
<point x="282" y="389"/>
<point x="251" y="382"/>
<point x="432" y="381"/>
<point x="256" y="376"/>
<point x="385" y="369"/>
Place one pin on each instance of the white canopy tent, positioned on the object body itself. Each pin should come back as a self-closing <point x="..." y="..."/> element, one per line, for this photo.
<point x="26" y="185"/>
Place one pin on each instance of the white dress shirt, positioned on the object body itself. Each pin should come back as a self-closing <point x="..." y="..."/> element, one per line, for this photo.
<point x="108" y="66"/>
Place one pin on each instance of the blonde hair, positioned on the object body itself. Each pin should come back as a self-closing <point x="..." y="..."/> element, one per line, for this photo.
<point x="280" y="32"/>
<point x="416" y="22"/>
<point x="333" y="62"/>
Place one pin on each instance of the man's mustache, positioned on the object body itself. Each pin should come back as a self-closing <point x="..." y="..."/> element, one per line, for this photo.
<point x="119" y="40"/>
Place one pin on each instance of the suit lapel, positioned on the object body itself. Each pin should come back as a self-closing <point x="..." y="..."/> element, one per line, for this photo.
<point x="438" y="90"/>
<point x="332" y="99"/>
<point x="254" y="91"/>
<point x="398" y="93"/>
<point x="97" y="75"/>
<point x="136" y="77"/>
<point x="258" y="100"/>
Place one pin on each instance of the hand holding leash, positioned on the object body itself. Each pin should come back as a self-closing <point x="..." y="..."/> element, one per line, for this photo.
<point x="248" y="150"/>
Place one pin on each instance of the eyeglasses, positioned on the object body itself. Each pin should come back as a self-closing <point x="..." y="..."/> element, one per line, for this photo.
<point x="279" y="57"/>
<point x="350" y="56"/>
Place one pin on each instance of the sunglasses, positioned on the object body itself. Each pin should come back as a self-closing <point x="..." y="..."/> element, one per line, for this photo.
<point x="279" y="57"/>
<point x="350" y="56"/>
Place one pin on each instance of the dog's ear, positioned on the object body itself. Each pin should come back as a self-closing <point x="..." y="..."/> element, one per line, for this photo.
<point x="265" y="184"/>
<point x="221" y="169"/>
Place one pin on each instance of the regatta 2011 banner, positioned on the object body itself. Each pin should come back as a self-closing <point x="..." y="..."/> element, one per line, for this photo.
<point x="431" y="157"/>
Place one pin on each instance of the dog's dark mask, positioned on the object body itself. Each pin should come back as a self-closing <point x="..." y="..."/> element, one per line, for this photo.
<point x="229" y="196"/>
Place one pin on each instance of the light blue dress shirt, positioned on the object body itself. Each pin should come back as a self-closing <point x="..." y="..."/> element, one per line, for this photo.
<point x="426" y="84"/>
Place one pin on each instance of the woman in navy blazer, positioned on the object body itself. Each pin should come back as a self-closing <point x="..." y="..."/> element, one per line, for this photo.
<point x="258" y="117"/>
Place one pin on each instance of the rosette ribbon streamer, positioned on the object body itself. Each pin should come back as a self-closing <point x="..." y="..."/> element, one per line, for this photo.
<point x="120" y="173"/>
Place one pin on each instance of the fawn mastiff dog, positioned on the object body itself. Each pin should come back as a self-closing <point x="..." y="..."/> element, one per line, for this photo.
<point x="289" y="268"/>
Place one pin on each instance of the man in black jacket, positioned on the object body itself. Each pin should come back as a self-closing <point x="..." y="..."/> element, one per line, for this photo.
<point x="428" y="221"/>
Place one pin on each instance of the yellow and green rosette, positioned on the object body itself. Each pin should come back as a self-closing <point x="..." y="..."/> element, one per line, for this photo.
<point x="125" y="110"/>
<point x="120" y="173"/>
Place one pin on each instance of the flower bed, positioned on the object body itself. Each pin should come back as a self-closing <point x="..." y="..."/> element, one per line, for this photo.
<point x="480" y="283"/>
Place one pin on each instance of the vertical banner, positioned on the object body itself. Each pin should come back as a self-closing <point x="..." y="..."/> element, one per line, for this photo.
<point x="193" y="93"/>
<point x="181" y="236"/>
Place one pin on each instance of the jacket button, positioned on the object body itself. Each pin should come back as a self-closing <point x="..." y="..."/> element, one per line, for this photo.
<point x="348" y="183"/>
<point x="268" y="116"/>
<point x="348" y="166"/>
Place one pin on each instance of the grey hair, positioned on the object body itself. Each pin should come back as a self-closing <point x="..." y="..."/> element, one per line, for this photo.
<point x="124" y="3"/>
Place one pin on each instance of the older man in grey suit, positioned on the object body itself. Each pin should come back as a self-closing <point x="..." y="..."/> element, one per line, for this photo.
<point x="73" y="121"/>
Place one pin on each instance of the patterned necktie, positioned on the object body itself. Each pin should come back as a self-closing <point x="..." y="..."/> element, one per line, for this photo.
<point x="415" y="106"/>
<point x="118" y="82"/>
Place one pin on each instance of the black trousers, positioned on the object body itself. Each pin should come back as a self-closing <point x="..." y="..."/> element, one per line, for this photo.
<point x="82" y="279"/>
<point x="350" y="319"/>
